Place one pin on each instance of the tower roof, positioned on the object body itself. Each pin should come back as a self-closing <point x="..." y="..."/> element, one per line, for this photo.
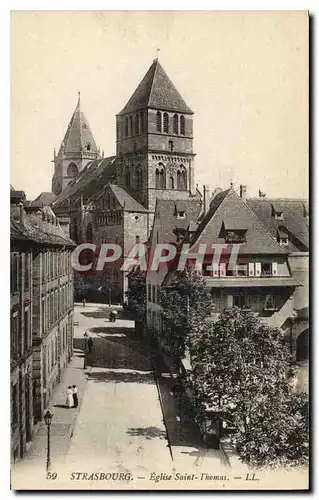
<point x="156" y="91"/>
<point x="78" y="134"/>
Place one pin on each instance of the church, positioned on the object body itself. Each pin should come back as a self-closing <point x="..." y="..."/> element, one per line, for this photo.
<point x="113" y="199"/>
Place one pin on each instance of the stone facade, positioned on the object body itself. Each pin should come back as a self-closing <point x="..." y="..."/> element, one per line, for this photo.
<point x="41" y="314"/>
<point x="21" y="348"/>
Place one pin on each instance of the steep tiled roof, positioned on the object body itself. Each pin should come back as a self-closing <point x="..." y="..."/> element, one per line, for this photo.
<point x="45" y="198"/>
<point x="34" y="229"/>
<point x="78" y="134"/>
<point x="294" y="223"/>
<point x="156" y="91"/>
<point x="91" y="179"/>
<point x="125" y="200"/>
<point x="166" y="221"/>
<point x="225" y="208"/>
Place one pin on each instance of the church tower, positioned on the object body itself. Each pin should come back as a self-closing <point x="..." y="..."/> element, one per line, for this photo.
<point x="154" y="141"/>
<point x="77" y="149"/>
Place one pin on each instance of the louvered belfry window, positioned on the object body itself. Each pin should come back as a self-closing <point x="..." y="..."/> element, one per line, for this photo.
<point x="159" y="121"/>
<point x="182" y="122"/>
<point x="165" y="123"/>
<point x="175" y="124"/>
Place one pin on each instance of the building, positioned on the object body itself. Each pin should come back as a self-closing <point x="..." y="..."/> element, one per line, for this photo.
<point x="271" y="270"/>
<point x="113" y="199"/>
<point x="41" y="313"/>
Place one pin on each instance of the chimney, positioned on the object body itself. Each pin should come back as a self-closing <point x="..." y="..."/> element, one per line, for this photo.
<point x="207" y="197"/>
<point x="243" y="192"/>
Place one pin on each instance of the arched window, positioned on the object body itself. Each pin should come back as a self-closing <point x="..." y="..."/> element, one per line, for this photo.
<point x="72" y="170"/>
<point x="126" y="127"/>
<point x="160" y="179"/>
<point x="142" y="121"/>
<point x="139" y="177"/>
<point x="157" y="179"/>
<point x="89" y="233"/>
<point x="182" y="123"/>
<point x="181" y="179"/>
<point x="175" y="124"/>
<point x="128" y="178"/>
<point x="131" y="125"/>
<point x="137" y="124"/>
<point x="159" y="121"/>
<point x="171" y="182"/>
<point x="88" y="146"/>
<point x="165" y="123"/>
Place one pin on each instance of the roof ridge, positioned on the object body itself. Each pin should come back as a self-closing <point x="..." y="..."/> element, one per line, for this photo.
<point x="78" y="107"/>
<point x="155" y="61"/>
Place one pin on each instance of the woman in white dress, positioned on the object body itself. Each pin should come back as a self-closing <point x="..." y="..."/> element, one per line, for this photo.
<point x="69" y="397"/>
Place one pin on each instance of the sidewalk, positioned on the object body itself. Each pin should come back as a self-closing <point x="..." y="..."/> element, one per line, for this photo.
<point x="63" y="420"/>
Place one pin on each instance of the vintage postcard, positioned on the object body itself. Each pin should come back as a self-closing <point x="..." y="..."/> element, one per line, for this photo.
<point x="159" y="250"/>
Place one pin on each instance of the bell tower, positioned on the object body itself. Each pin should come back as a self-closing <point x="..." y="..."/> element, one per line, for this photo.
<point x="77" y="149"/>
<point x="154" y="141"/>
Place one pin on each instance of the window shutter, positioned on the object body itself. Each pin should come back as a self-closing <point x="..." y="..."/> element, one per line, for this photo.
<point x="257" y="268"/>
<point x="274" y="270"/>
<point x="215" y="270"/>
<point x="251" y="268"/>
<point x="222" y="269"/>
<point x="229" y="301"/>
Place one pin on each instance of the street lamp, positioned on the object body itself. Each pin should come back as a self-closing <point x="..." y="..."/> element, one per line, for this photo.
<point x="85" y="335"/>
<point x="47" y="418"/>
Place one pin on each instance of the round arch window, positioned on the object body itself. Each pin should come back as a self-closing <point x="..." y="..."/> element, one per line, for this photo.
<point x="72" y="170"/>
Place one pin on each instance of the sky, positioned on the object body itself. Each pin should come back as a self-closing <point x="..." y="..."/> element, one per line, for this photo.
<point x="244" y="74"/>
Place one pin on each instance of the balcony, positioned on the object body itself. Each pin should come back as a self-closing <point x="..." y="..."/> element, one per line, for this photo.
<point x="251" y="281"/>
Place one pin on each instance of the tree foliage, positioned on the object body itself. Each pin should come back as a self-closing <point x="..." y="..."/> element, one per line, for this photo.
<point x="185" y="302"/>
<point x="241" y="369"/>
<point x="136" y="296"/>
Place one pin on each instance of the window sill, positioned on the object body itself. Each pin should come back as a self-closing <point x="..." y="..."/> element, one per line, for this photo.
<point x="270" y="309"/>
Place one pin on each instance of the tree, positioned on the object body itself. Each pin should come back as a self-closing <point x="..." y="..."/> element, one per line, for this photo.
<point x="241" y="370"/>
<point x="136" y="295"/>
<point x="185" y="302"/>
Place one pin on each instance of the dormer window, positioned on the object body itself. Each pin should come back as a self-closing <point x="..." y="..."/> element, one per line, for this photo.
<point x="235" y="236"/>
<point x="279" y="215"/>
<point x="282" y="237"/>
<point x="181" y="214"/>
<point x="277" y="211"/>
<point x="283" y="242"/>
<point x="233" y="231"/>
<point x="88" y="146"/>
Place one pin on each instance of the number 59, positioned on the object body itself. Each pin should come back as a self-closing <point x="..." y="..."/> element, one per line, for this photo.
<point x="52" y="475"/>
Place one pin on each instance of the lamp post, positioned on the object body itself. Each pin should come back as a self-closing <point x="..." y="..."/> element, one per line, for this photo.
<point x="85" y="335"/>
<point x="47" y="418"/>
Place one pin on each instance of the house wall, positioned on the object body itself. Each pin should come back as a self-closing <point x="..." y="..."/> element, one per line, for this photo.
<point x="299" y="265"/>
<point x="21" y="349"/>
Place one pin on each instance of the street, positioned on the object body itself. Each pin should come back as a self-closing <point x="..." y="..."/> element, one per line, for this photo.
<point x="126" y="422"/>
<point x="121" y="422"/>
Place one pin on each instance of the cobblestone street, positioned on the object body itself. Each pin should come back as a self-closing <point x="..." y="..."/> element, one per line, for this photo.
<point x="126" y="419"/>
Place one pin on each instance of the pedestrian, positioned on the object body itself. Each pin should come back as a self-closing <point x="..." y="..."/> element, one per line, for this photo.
<point x="83" y="302"/>
<point x="69" y="397"/>
<point x="90" y="345"/>
<point x="75" y="397"/>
